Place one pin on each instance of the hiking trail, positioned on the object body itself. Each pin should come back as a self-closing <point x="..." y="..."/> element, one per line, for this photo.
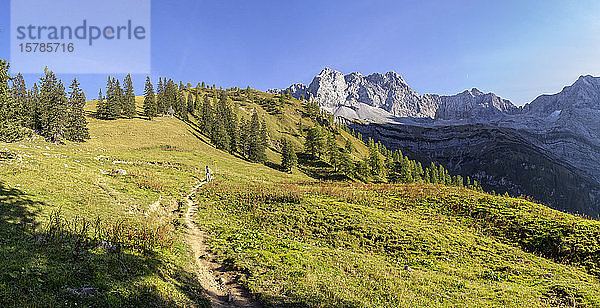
<point x="219" y="282"/>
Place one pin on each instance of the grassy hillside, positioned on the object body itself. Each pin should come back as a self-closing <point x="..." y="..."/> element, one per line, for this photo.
<point x="297" y="240"/>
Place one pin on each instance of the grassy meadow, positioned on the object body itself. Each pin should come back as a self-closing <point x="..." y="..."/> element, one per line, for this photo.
<point x="296" y="241"/>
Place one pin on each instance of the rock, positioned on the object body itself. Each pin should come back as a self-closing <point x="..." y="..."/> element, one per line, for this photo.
<point x="84" y="291"/>
<point x="120" y="172"/>
<point x="230" y="297"/>
<point x="384" y="97"/>
<point x="562" y="129"/>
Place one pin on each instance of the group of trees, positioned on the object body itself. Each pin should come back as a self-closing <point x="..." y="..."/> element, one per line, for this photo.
<point x="220" y="123"/>
<point x="169" y="99"/>
<point x="380" y="165"/>
<point x="46" y="109"/>
<point x="118" y="101"/>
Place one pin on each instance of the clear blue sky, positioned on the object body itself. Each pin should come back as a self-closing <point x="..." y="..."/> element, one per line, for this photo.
<point x="517" y="49"/>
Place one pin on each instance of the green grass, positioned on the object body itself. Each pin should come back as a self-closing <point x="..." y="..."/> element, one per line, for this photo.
<point x="332" y="245"/>
<point x="298" y="241"/>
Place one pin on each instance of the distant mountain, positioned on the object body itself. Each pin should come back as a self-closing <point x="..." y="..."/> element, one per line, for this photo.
<point x="548" y="149"/>
<point x="384" y="98"/>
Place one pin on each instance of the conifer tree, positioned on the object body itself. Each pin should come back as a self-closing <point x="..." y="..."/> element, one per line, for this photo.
<point x="191" y="103"/>
<point x="220" y="135"/>
<point x="263" y="141"/>
<point x="9" y="128"/>
<point x="18" y="109"/>
<point x="109" y="108"/>
<point x="160" y="97"/>
<point x="101" y="106"/>
<point x="76" y="123"/>
<point x="129" y="99"/>
<point x="256" y="144"/>
<point x="315" y="141"/>
<point x="288" y="155"/>
<point x="34" y="108"/>
<point x="207" y="117"/>
<point x="348" y="146"/>
<point x="180" y="102"/>
<point x="119" y="98"/>
<point x="149" y="100"/>
<point x="54" y="100"/>
<point x="375" y="162"/>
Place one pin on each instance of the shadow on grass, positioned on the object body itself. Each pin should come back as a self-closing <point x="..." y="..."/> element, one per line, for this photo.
<point x="44" y="271"/>
<point x="318" y="169"/>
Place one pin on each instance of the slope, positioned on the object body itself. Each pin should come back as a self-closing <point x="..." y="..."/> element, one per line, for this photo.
<point x="293" y="240"/>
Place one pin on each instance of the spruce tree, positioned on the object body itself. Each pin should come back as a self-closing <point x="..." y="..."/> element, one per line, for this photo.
<point x="119" y="98"/>
<point x="348" y="146"/>
<point x="9" y="128"/>
<point x="101" y="106"/>
<point x="160" y="97"/>
<point x="76" y="123"/>
<point x="220" y="136"/>
<point x="18" y="108"/>
<point x="191" y="103"/>
<point x="180" y="102"/>
<point x="264" y="141"/>
<point x="34" y="107"/>
<point x="314" y="141"/>
<point x="375" y="162"/>
<point x="256" y="142"/>
<point x="207" y="117"/>
<point x="54" y="100"/>
<point x="109" y="108"/>
<point x="288" y="155"/>
<point x="149" y="100"/>
<point x="129" y="99"/>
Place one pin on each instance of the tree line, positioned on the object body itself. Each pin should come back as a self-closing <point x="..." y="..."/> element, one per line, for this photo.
<point x="381" y="164"/>
<point x="46" y="108"/>
<point x="217" y="119"/>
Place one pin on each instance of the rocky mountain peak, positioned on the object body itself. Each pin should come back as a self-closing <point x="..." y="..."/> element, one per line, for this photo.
<point x="385" y="97"/>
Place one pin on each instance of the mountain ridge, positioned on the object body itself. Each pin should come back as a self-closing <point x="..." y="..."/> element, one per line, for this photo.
<point x="564" y="125"/>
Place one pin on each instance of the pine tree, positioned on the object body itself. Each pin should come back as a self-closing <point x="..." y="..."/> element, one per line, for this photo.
<point x="244" y="137"/>
<point x="34" y="107"/>
<point x="149" y="100"/>
<point x="288" y="155"/>
<point x="129" y="99"/>
<point x="9" y="128"/>
<point x="314" y="141"/>
<point x="207" y="117"/>
<point x="333" y="152"/>
<point x="76" y="125"/>
<point x="101" y="106"/>
<point x="348" y="146"/>
<point x="191" y="103"/>
<point x="256" y="142"/>
<point x="54" y="100"/>
<point x="263" y="141"/>
<point x="375" y="162"/>
<point x="109" y="108"/>
<point x="119" y="98"/>
<point x="180" y="102"/>
<point x="18" y="109"/>
<point x="160" y="97"/>
<point x="220" y="136"/>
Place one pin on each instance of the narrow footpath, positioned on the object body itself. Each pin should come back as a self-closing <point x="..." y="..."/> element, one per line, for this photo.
<point x="220" y="283"/>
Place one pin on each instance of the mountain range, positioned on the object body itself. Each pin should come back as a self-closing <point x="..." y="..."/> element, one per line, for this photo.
<point x="548" y="149"/>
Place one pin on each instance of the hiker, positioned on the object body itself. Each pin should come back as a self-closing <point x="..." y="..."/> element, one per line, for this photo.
<point x="208" y="179"/>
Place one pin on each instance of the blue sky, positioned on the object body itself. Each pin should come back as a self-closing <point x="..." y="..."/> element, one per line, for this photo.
<point x="517" y="49"/>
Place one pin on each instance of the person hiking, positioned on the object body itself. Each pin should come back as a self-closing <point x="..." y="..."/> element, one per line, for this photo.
<point x="208" y="179"/>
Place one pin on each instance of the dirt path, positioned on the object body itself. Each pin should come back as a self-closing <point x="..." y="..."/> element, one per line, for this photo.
<point x="220" y="283"/>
